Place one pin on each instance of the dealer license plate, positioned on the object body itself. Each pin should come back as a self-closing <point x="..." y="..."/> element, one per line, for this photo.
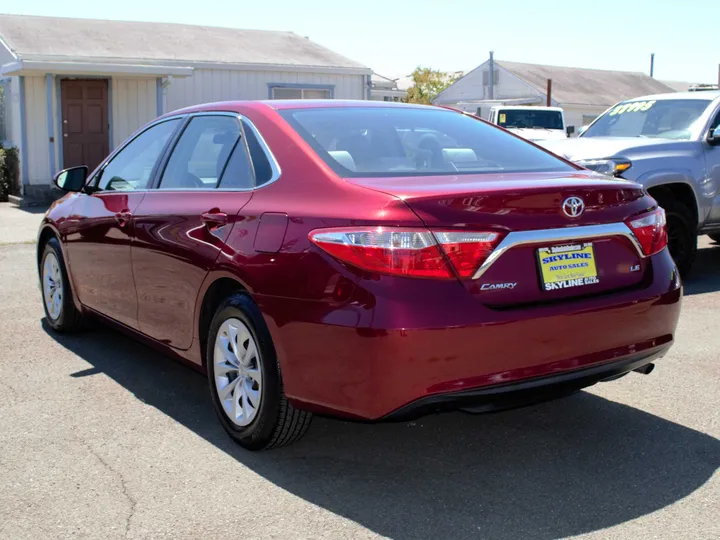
<point x="562" y="267"/>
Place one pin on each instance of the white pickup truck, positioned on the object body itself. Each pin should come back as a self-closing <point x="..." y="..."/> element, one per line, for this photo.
<point x="532" y="123"/>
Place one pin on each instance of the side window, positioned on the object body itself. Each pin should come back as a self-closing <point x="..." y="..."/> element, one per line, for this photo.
<point x="200" y="155"/>
<point x="131" y="168"/>
<point x="260" y="161"/>
<point x="238" y="173"/>
<point x="716" y="122"/>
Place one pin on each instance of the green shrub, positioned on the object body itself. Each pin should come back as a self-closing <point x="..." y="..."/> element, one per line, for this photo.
<point x="9" y="172"/>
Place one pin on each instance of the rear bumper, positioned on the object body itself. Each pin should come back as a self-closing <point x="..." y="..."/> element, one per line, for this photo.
<point x="526" y="392"/>
<point x="414" y="345"/>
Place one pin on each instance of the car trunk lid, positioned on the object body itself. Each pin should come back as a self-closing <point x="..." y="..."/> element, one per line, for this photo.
<point x="545" y="254"/>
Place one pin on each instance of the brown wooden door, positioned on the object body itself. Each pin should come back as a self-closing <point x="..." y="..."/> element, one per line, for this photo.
<point x="85" y="122"/>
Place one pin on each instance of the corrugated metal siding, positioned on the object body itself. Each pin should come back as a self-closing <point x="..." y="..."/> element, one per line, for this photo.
<point x="207" y="85"/>
<point x="134" y="104"/>
<point x="37" y="131"/>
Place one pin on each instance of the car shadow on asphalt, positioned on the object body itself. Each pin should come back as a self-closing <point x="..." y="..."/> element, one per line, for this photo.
<point x="552" y="470"/>
<point x="705" y="276"/>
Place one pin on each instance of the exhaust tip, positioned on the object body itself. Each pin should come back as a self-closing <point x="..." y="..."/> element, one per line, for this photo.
<point x="646" y="369"/>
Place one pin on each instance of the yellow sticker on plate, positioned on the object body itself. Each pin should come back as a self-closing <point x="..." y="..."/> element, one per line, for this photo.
<point x="562" y="267"/>
<point x="502" y="118"/>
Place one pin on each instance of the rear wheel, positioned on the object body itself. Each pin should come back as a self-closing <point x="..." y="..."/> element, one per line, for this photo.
<point x="682" y="232"/>
<point x="60" y="311"/>
<point x="245" y="380"/>
<point x="715" y="237"/>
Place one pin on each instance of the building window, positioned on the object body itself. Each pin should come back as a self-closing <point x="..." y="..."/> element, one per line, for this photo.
<point x="5" y="110"/>
<point x="588" y="119"/>
<point x="300" y="92"/>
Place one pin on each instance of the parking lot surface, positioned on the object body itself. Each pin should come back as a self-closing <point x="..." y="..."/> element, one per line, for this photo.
<point x="101" y="437"/>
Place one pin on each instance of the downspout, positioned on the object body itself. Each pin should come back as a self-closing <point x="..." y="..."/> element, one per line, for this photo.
<point x="162" y="87"/>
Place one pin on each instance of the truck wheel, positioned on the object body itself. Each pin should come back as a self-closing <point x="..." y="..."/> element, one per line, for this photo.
<point x="715" y="237"/>
<point x="682" y="233"/>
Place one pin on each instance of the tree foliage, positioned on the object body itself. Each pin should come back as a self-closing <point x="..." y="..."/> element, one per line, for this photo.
<point x="428" y="83"/>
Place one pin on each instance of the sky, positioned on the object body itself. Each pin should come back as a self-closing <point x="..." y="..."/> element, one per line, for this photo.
<point x="394" y="36"/>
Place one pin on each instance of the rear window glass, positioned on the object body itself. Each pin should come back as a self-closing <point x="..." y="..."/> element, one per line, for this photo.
<point x="530" y="119"/>
<point x="397" y="141"/>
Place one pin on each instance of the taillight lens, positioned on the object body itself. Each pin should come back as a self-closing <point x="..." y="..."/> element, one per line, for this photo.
<point x="467" y="250"/>
<point x="651" y="231"/>
<point x="408" y="252"/>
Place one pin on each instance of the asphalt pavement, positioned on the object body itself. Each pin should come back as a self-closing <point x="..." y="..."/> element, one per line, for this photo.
<point x="103" y="438"/>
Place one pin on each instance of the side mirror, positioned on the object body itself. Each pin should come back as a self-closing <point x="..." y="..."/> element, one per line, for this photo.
<point x="582" y="130"/>
<point x="72" y="179"/>
<point x="713" y="138"/>
<point x="570" y="130"/>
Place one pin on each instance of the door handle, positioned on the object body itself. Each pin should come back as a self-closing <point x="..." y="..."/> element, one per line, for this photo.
<point x="123" y="217"/>
<point x="214" y="218"/>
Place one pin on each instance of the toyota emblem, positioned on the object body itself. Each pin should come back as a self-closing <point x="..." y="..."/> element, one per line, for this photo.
<point x="573" y="206"/>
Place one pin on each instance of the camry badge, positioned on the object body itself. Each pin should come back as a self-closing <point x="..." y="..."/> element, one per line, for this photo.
<point x="573" y="206"/>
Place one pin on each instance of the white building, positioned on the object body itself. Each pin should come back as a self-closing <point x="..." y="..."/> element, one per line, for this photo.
<point x="582" y="93"/>
<point x="386" y="89"/>
<point x="75" y="88"/>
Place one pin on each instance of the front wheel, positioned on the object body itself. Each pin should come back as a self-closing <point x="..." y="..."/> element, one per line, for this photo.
<point x="245" y="380"/>
<point x="682" y="233"/>
<point x="60" y="311"/>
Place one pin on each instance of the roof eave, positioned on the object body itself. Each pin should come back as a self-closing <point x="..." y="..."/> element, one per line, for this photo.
<point x="22" y="67"/>
<point x="190" y="64"/>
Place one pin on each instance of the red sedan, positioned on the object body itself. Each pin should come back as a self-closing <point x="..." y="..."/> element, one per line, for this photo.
<point x="372" y="261"/>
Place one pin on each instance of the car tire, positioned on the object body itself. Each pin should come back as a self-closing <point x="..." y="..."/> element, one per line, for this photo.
<point x="715" y="237"/>
<point x="245" y="380"/>
<point x="682" y="233"/>
<point x="60" y="311"/>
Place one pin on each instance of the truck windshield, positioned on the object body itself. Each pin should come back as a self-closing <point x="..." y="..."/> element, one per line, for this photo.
<point x="665" y="119"/>
<point x="414" y="141"/>
<point x="531" y="119"/>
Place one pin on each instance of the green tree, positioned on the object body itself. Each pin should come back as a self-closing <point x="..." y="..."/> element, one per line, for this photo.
<point x="428" y="83"/>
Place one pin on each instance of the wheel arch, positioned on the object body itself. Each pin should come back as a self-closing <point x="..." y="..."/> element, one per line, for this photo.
<point x="48" y="232"/>
<point x="217" y="286"/>
<point x="682" y="191"/>
<point x="678" y="183"/>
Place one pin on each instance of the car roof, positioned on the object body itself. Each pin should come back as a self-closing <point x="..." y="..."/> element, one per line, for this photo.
<point x="284" y="104"/>
<point x="705" y="95"/>
<point x="528" y="108"/>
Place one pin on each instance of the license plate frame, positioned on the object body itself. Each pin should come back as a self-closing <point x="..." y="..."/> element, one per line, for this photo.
<point x="567" y="266"/>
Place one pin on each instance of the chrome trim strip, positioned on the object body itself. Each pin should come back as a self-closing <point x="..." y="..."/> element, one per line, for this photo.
<point x="570" y="234"/>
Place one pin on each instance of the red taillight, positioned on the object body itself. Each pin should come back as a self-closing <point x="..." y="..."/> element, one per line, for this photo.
<point x="467" y="250"/>
<point x="651" y="231"/>
<point x="408" y="252"/>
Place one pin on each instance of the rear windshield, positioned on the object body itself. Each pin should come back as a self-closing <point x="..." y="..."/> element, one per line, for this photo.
<point x="518" y="118"/>
<point x="396" y="141"/>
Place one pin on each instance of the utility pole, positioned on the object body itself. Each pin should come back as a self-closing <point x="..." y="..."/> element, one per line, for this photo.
<point x="652" y="64"/>
<point x="549" y="93"/>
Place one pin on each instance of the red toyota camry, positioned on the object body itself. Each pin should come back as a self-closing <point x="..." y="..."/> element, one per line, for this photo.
<point x="371" y="261"/>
